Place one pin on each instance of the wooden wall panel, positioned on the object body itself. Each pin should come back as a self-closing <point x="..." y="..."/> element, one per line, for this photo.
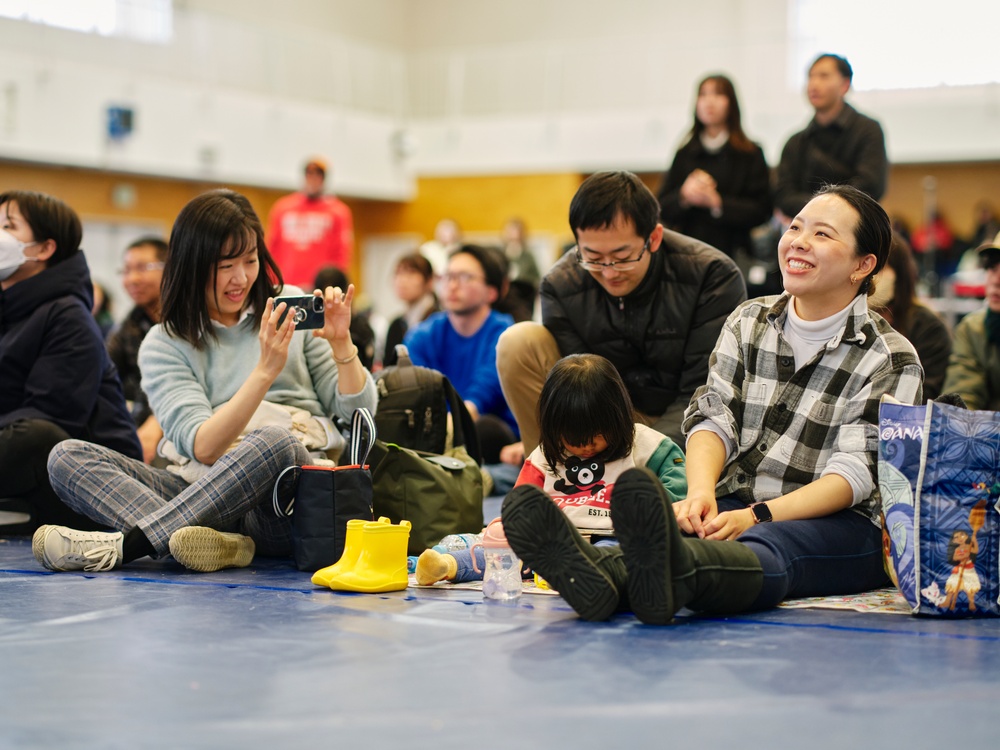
<point x="959" y="188"/>
<point x="479" y="204"/>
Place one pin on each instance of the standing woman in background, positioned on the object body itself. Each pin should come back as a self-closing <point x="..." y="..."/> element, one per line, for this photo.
<point x="718" y="187"/>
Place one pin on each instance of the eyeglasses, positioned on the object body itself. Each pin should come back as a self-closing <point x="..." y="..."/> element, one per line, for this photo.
<point x="461" y="278"/>
<point x="141" y="268"/>
<point x="621" y="265"/>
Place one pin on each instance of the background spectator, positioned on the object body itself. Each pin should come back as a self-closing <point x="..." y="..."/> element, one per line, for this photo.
<point x="309" y="230"/>
<point x="718" y="186"/>
<point x="414" y="285"/>
<point x="895" y="298"/>
<point x="142" y="274"/>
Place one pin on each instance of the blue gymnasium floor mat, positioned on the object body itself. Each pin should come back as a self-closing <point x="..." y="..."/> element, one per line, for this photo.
<point x="155" y="656"/>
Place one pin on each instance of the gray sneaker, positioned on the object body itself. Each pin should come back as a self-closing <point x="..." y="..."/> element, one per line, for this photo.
<point x="207" y="550"/>
<point x="62" y="548"/>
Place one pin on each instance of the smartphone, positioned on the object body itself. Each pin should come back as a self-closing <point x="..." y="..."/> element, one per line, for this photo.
<point x="307" y="311"/>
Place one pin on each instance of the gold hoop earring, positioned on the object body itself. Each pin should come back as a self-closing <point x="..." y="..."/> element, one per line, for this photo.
<point x="853" y="280"/>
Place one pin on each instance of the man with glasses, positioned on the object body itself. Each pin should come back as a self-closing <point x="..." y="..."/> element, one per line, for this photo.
<point x="461" y="341"/>
<point x="650" y="300"/>
<point x="142" y="273"/>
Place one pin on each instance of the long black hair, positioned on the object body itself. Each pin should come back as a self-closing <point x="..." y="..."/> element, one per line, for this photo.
<point x="216" y="225"/>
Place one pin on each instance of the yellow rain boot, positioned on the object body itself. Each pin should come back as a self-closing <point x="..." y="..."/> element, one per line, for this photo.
<point x="382" y="563"/>
<point x="352" y="551"/>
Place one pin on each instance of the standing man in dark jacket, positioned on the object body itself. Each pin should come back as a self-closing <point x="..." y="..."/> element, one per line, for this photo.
<point x="56" y="379"/>
<point x="650" y="300"/>
<point x="839" y="146"/>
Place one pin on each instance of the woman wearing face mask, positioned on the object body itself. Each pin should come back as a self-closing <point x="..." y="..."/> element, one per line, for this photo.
<point x="718" y="187"/>
<point x="896" y="300"/>
<point x="56" y="379"/>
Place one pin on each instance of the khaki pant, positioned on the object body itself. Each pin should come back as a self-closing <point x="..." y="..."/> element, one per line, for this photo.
<point x="525" y="354"/>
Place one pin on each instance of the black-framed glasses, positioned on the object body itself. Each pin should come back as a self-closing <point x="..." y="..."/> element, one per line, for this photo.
<point x="141" y="268"/>
<point x="621" y="265"/>
<point x="462" y="278"/>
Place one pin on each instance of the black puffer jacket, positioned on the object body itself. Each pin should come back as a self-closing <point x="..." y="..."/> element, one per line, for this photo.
<point x="53" y="364"/>
<point x="661" y="335"/>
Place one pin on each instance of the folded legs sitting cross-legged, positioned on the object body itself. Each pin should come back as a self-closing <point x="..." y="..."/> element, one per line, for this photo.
<point x="161" y="514"/>
<point x="219" y="369"/>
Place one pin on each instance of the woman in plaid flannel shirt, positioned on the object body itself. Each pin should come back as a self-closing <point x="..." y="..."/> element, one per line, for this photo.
<point x="782" y="445"/>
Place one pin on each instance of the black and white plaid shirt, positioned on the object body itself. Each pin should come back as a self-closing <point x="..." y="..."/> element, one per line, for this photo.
<point x="790" y="427"/>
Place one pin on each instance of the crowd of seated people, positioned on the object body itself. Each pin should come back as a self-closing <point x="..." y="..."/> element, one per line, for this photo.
<point x="143" y="447"/>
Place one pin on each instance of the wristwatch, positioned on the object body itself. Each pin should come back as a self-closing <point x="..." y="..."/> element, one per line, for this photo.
<point x="761" y="513"/>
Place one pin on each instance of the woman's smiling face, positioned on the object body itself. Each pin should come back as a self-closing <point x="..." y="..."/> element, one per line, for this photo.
<point x="818" y="255"/>
<point x="234" y="277"/>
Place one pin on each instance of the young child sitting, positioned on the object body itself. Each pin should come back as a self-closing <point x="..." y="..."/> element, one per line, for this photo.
<point x="588" y="438"/>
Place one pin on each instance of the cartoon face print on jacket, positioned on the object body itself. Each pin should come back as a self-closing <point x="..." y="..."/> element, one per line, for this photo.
<point x="583" y="475"/>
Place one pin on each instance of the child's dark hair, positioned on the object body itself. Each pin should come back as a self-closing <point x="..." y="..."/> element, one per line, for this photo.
<point x="583" y="397"/>
<point x="214" y="226"/>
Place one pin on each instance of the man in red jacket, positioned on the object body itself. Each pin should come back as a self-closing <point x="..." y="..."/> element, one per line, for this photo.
<point x="309" y="230"/>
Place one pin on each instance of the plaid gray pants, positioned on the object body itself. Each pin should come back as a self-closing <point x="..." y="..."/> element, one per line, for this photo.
<point x="233" y="496"/>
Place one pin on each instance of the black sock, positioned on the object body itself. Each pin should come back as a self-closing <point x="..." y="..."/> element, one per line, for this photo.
<point x="136" y="545"/>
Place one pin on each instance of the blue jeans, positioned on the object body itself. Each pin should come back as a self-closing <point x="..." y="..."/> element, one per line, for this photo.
<point x="836" y="554"/>
<point x="504" y="477"/>
<point x="467" y="573"/>
<point x="465" y="570"/>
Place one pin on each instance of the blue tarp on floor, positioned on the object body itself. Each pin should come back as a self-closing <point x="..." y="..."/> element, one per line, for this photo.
<point x="154" y="656"/>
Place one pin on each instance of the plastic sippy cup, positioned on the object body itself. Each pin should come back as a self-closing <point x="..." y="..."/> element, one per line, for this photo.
<point x="502" y="577"/>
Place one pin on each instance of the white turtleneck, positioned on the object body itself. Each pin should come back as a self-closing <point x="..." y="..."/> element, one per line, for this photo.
<point x="807" y="337"/>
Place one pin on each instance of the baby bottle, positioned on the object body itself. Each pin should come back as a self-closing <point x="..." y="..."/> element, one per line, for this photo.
<point x="455" y="542"/>
<point x="502" y="577"/>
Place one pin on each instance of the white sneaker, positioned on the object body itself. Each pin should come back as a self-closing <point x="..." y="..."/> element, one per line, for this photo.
<point x="62" y="548"/>
<point x="207" y="550"/>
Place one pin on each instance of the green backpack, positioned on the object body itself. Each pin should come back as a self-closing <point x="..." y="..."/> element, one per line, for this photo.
<point x="438" y="492"/>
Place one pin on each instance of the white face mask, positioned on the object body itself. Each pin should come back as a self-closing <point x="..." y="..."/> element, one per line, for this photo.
<point x="12" y="254"/>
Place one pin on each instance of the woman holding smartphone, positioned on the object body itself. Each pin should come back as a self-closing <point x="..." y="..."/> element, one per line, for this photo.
<point x="222" y="349"/>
